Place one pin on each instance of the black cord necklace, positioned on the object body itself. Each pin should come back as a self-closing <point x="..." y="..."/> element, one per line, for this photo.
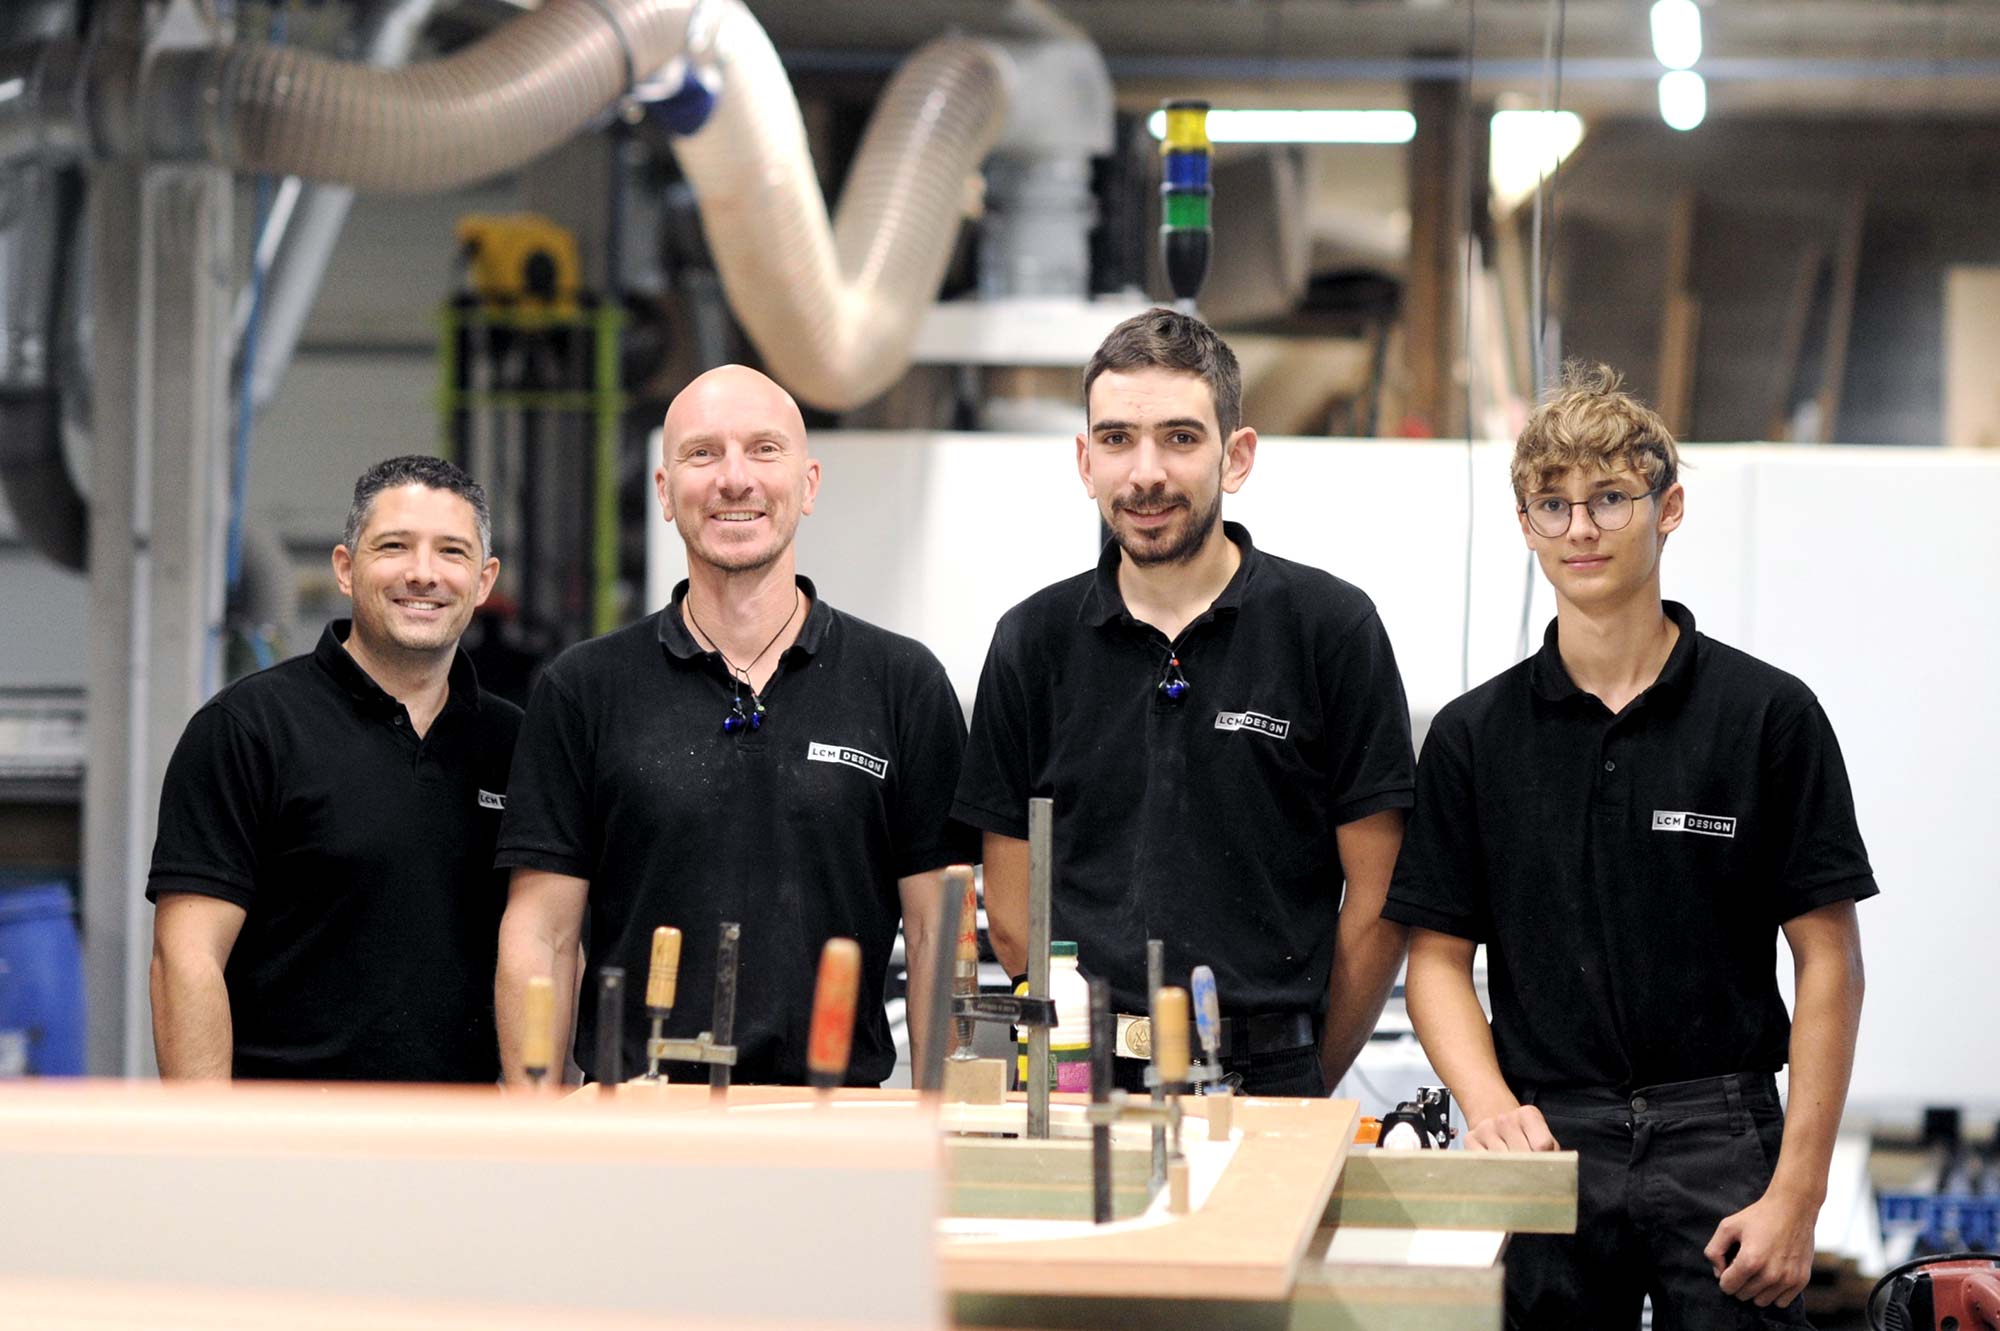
<point x="740" y="719"/>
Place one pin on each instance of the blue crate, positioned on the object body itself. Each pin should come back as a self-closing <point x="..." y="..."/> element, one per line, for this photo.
<point x="1955" y="1220"/>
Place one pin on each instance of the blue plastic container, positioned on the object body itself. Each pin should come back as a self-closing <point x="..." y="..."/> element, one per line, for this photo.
<point x="41" y="983"/>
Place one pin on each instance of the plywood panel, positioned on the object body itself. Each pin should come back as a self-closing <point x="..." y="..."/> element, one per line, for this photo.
<point x="1972" y="357"/>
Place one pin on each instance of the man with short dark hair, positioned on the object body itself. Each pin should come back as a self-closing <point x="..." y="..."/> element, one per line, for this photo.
<point x="747" y="754"/>
<point x="1223" y="732"/>
<point x="326" y="903"/>
<point x="1627" y="820"/>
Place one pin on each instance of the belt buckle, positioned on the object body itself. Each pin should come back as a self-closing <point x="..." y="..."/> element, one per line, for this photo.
<point x="1135" y="1037"/>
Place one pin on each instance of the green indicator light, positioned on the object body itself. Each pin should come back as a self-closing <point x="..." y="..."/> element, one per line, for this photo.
<point x="1186" y="211"/>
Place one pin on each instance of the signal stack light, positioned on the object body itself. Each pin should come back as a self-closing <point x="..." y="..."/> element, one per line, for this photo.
<point x="1186" y="197"/>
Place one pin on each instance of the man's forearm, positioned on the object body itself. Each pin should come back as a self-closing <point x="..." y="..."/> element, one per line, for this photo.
<point x="525" y="953"/>
<point x="1366" y="956"/>
<point x="193" y="1036"/>
<point x="1826" y="1017"/>
<point x="1006" y="878"/>
<point x="1445" y="1010"/>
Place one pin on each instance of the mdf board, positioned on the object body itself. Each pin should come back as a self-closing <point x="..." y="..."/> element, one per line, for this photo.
<point x="434" y="1201"/>
<point x="1972" y="357"/>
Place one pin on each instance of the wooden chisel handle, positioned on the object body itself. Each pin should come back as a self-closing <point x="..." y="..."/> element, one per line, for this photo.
<point x="1170" y="1034"/>
<point x="833" y="1012"/>
<point x="538" y="1027"/>
<point x="664" y="974"/>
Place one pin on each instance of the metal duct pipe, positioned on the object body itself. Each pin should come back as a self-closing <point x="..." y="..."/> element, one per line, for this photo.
<point x="834" y="311"/>
<point x="39" y="207"/>
<point x="306" y="225"/>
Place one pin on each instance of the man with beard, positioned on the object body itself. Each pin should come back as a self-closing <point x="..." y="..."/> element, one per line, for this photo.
<point x="747" y="754"/>
<point x="1223" y="732"/>
<point x="326" y="901"/>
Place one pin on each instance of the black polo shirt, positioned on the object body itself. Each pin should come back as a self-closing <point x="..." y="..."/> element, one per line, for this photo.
<point x="798" y="830"/>
<point x="1629" y="873"/>
<point x="1209" y="822"/>
<point x="363" y="858"/>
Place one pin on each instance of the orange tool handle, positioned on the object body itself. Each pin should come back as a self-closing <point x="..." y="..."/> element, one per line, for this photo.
<point x="968" y="916"/>
<point x="833" y="1010"/>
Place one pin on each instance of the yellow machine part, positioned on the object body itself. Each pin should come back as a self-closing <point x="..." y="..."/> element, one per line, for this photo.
<point x="520" y="259"/>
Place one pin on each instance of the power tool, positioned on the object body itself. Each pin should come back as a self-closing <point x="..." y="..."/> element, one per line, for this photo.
<point x="1954" y="1291"/>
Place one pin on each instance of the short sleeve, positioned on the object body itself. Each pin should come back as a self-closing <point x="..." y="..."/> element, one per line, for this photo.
<point x="993" y="783"/>
<point x="1440" y="877"/>
<point x="548" y="820"/>
<point x="1809" y="806"/>
<point x="1368" y="722"/>
<point x="931" y="745"/>
<point x="214" y="808"/>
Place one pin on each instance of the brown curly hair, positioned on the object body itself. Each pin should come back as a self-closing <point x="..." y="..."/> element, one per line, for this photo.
<point x="1588" y="421"/>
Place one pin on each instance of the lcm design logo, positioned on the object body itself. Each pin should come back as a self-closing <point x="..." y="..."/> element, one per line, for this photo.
<point x="1702" y="824"/>
<point x="855" y="758"/>
<point x="1274" y="726"/>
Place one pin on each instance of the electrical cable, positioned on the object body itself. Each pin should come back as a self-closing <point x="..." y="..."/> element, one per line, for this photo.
<point x="1542" y="250"/>
<point x="1471" y="198"/>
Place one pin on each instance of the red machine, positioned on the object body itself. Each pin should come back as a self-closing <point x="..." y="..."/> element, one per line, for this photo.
<point x="1958" y="1291"/>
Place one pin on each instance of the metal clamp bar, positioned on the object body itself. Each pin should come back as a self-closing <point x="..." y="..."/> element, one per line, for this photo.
<point x="724" y="1017"/>
<point x="702" y="1049"/>
<point x="1041" y="881"/>
<point x="1015" y="1009"/>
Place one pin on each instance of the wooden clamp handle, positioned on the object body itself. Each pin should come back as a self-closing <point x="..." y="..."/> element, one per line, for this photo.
<point x="833" y="1010"/>
<point x="1170" y="1033"/>
<point x="538" y="1025"/>
<point x="968" y="915"/>
<point x="665" y="972"/>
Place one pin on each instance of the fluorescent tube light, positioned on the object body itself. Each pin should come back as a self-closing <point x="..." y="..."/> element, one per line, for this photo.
<point x="1683" y="98"/>
<point x="1677" y="33"/>
<point x="1275" y="126"/>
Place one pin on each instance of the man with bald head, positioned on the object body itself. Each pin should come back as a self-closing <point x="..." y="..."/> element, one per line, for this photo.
<point x="748" y="753"/>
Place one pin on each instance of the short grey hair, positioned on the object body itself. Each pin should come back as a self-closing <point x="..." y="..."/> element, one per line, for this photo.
<point x="418" y="469"/>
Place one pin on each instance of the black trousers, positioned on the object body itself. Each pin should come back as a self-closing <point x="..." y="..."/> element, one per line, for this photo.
<point x="1657" y="1171"/>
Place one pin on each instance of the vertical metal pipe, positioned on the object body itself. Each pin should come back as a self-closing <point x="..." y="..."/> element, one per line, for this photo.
<point x="1156" y="966"/>
<point x="1041" y="868"/>
<point x="723" y="1027"/>
<point x="1102" y="1034"/>
<point x="610" y="1069"/>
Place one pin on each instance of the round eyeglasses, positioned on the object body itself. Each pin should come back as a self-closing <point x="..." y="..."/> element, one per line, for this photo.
<point x="1610" y="510"/>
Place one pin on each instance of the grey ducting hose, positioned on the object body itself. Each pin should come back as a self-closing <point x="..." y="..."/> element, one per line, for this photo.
<point x="834" y="314"/>
<point x="501" y="101"/>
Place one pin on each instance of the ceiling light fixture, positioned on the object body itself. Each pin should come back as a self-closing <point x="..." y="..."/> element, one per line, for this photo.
<point x="1526" y="148"/>
<point x="1677" y="33"/>
<point x="1293" y="126"/>
<point x="1683" y="98"/>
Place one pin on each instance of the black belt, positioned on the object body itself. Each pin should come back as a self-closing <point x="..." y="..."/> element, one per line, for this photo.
<point x="1241" y="1037"/>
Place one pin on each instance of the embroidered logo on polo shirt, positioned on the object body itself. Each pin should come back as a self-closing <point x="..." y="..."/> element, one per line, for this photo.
<point x="1274" y="726"/>
<point x="1705" y="824"/>
<point x="840" y="753"/>
<point x="488" y="800"/>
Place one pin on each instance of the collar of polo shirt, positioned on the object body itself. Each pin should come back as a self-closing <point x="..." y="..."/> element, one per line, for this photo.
<point x="1106" y="603"/>
<point x="1551" y="679"/>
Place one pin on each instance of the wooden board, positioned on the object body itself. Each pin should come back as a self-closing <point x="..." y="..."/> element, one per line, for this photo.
<point x="1520" y="1193"/>
<point x="1246" y="1242"/>
<point x="1972" y="357"/>
<point x="447" y="1199"/>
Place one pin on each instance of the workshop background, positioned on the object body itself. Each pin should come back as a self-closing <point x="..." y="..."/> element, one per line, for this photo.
<point x="1786" y="245"/>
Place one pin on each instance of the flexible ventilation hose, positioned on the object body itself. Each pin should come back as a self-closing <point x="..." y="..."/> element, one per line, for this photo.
<point x="834" y="310"/>
<point x="492" y="106"/>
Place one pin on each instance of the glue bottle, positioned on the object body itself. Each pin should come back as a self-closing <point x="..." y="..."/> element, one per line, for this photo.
<point x="1069" y="1040"/>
